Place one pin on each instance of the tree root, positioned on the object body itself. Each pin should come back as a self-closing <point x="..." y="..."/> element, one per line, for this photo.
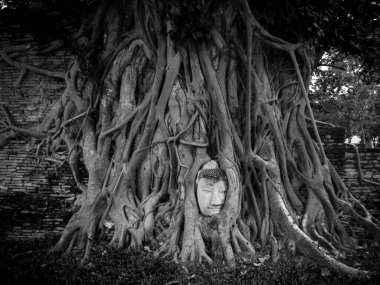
<point x="358" y="167"/>
<point x="82" y="229"/>
<point x="146" y="113"/>
<point x="302" y="241"/>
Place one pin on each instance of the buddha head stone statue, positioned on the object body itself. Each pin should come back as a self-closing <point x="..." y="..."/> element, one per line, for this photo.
<point x="211" y="188"/>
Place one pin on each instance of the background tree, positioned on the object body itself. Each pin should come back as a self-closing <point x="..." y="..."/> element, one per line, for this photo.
<point x="160" y="88"/>
<point x="341" y="96"/>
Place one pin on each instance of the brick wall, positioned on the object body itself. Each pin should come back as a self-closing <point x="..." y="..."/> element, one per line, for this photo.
<point x="370" y="164"/>
<point x="36" y="198"/>
<point x="343" y="159"/>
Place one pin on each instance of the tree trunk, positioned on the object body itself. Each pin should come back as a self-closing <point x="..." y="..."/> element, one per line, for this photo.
<point x="148" y="113"/>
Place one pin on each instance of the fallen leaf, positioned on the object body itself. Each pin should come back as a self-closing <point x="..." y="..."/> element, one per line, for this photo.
<point x="264" y="258"/>
<point x="243" y="272"/>
<point x="325" y="272"/>
<point x="185" y="269"/>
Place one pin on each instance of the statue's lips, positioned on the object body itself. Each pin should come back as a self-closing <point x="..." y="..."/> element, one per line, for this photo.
<point x="215" y="209"/>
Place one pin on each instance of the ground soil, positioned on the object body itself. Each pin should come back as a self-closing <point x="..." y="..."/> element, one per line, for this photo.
<point x="32" y="263"/>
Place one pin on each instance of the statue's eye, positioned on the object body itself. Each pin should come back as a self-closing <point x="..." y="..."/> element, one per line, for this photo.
<point x="207" y="189"/>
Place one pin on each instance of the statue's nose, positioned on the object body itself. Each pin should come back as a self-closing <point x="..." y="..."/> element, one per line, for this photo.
<point x="216" y="199"/>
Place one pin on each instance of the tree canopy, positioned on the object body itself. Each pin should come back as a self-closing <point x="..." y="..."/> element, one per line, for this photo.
<point x="349" y="25"/>
<point x="342" y="96"/>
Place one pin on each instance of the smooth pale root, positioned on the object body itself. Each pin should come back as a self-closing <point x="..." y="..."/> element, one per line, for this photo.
<point x="303" y="242"/>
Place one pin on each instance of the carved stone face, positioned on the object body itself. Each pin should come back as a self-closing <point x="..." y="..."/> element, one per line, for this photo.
<point x="211" y="189"/>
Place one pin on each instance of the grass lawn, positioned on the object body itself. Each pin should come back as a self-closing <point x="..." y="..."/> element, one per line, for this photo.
<point x="32" y="263"/>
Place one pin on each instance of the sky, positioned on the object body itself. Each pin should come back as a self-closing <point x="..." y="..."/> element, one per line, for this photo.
<point x="355" y="139"/>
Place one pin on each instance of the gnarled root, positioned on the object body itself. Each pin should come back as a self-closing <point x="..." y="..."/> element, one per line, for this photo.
<point x="194" y="248"/>
<point x="172" y="235"/>
<point x="303" y="242"/>
<point x="83" y="228"/>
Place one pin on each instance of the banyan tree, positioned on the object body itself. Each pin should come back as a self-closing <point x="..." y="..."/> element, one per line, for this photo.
<point x="193" y="123"/>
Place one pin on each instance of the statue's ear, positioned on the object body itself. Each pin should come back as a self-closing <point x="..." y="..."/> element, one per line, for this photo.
<point x="197" y="179"/>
